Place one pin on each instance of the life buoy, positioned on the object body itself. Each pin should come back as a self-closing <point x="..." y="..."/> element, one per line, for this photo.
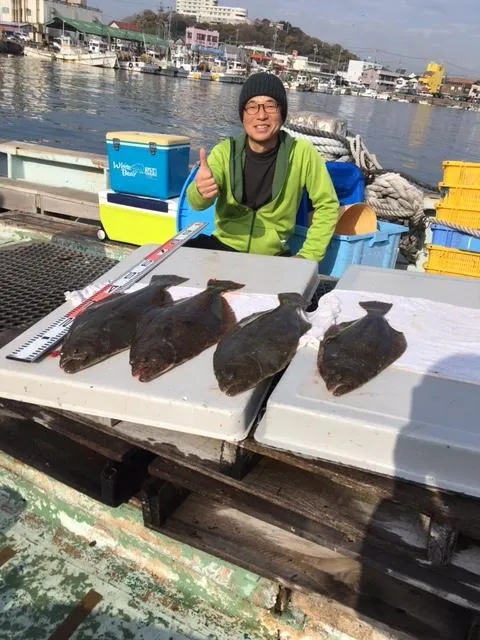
<point x="130" y="65"/>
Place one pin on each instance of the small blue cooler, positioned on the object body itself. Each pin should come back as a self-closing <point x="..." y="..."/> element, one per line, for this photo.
<point x="147" y="164"/>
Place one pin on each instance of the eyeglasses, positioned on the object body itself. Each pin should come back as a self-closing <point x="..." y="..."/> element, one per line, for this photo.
<point x="254" y="107"/>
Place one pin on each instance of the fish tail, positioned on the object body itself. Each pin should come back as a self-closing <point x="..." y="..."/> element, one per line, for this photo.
<point x="224" y="285"/>
<point x="292" y="300"/>
<point x="373" y="306"/>
<point x="167" y="280"/>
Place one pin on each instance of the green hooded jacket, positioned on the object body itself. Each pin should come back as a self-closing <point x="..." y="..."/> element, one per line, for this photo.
<point x="266" y="231"/>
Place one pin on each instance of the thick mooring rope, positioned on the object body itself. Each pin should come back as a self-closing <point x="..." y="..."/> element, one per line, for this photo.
<point x="395" y="197"/>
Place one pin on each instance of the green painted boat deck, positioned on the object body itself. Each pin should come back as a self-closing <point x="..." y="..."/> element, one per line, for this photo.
<point x="59" y="548"/>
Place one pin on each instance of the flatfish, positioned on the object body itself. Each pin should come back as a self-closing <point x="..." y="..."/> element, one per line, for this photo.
<point x="260" y="345"/>
<point x="108" y="327"/>
<point x="352" y="353"/>
<point x="167" y="337"/>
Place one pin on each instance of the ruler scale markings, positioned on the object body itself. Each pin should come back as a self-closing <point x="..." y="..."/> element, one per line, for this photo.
<point x="40" y="344"/>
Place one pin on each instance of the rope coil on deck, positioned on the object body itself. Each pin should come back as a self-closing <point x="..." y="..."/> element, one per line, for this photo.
<point x="395" y="197"/>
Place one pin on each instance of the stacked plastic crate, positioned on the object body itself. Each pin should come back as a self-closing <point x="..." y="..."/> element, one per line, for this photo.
<point x="455" y="248"/>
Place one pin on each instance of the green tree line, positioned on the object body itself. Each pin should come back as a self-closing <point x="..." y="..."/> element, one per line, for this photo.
<point x="283" y="37"/>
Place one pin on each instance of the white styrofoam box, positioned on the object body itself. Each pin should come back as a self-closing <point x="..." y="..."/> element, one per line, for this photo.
<point x="186" y="398"/>
<point x="421" y="428"/>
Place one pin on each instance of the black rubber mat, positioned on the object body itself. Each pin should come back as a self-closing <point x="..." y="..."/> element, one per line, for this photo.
<point x="35" y="275"/>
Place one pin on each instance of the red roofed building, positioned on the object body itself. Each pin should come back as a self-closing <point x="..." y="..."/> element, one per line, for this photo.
<point x="129" y="26"/>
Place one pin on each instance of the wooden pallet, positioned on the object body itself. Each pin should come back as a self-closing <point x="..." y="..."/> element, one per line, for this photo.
<point x="73" y="451"/>
<point x="397" y="552"/>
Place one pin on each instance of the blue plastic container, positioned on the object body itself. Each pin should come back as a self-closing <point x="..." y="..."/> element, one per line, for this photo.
<point x="348" y="182"/>
<point x="147" y="164"/>
<point x="378" y="249"/>
<point x="446" y="237"/>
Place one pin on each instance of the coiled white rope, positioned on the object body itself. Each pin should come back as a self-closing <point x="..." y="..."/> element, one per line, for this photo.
<point x="393" y="197"/>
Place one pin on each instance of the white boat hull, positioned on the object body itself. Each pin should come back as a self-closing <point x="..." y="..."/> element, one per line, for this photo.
<point x="107" y="60"/>
<point x="39" y="54"/>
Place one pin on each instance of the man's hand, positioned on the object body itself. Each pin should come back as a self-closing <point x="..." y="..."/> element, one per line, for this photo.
<point x="204" y="180"/>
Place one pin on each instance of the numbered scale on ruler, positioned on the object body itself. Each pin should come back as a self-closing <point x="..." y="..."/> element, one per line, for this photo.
<point x="43" y="342"/>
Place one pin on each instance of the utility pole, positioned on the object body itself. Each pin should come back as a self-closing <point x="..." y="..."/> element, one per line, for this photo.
<point x="275" y="36"/>
<point x="339" y="55"/>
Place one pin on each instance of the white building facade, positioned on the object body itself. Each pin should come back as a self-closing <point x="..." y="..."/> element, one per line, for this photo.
<point x="211" y="11"/>
<point x="356" y="68"/>
<point x="39" y="12"/>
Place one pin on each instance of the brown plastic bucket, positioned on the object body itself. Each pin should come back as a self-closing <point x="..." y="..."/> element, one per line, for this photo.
<point x="356" y="220"/>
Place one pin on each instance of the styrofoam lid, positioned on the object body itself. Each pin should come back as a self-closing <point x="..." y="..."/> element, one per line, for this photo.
<point x="140" y="137"/>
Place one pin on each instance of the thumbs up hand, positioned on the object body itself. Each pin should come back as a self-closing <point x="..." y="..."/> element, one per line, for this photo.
<point x="204" y="180"/>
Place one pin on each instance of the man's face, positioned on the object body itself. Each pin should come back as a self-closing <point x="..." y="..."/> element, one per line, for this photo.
<point x="261" y="119"/>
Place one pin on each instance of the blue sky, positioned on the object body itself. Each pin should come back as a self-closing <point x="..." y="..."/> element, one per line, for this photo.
<point x="403" y="33"/>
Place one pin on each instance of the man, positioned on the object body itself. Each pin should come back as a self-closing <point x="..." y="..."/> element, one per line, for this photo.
<point x="259" y="178"/>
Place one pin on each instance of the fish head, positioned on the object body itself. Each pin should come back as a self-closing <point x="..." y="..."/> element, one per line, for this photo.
<point x="84" y="350"/>
<point x="231" y="383"/>
<point x="148" y="362"/>
<point x="340" y="381"/>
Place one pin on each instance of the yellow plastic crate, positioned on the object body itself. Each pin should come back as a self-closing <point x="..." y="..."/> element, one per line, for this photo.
<point x="456" y="215"/>
<point x="461" y="174"/>
<point x="452" y="262"/>
<point x="462" y="198"/>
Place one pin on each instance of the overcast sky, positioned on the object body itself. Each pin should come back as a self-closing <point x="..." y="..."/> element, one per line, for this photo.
<point x="403" y="33"/>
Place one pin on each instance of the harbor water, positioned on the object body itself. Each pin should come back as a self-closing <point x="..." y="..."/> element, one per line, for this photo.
<point x="72" y="107"/>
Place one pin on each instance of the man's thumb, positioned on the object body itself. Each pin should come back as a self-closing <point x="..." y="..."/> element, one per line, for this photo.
<point x="203" y="158"/>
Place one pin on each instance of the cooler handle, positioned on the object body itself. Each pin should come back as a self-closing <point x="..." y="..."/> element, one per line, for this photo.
<point x="116" y="143"/>
<point x="152" y="147"/>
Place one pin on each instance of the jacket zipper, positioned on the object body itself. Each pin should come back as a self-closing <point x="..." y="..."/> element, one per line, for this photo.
<point x="251" y="231"/>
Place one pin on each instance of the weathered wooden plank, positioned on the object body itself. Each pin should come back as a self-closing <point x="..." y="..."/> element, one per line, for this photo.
<point x="299" y="564"/>
<point x="32" y="197"/>
<point x="6" y="554"/>
<point x="84" y="469"/>
<point x="53" y="454"/>
<point x="230" y="458"/>
<point x="458" y="511"/>
<point x="15" y="197"/>
<point x="77" y="616"/>
<point x="74" y="427"/>
<point x="277" y="495"/>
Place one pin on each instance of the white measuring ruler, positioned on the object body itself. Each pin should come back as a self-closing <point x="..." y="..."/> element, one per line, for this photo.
<point x="44" y="341"/>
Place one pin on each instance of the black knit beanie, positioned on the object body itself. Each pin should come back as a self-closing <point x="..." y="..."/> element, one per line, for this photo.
<point x="263" y="84"/>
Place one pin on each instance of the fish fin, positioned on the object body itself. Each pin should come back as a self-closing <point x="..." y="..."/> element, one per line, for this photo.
<point x="224" y="285"/>
<point x="252" y="317"/>
<point x="167" y="280"/>
<point x="292" y="300"/>
<point x="376" y="307"/>
<point x="230" y="321"/>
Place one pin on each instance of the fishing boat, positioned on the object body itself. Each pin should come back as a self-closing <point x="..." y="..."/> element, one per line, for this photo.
<point x="117" y="528"/>
<point x="65" y="51"/>
<point x="38" y="53"/>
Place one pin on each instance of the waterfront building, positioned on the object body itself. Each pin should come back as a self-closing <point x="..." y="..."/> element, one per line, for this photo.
<point x="37" y="13"/>
<point x="459" y="88"/>
<point x="380" y="79"/>
<point x="202" y="37"/>
<point x="356" y="68"/>
<point x="211" y="11"/>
